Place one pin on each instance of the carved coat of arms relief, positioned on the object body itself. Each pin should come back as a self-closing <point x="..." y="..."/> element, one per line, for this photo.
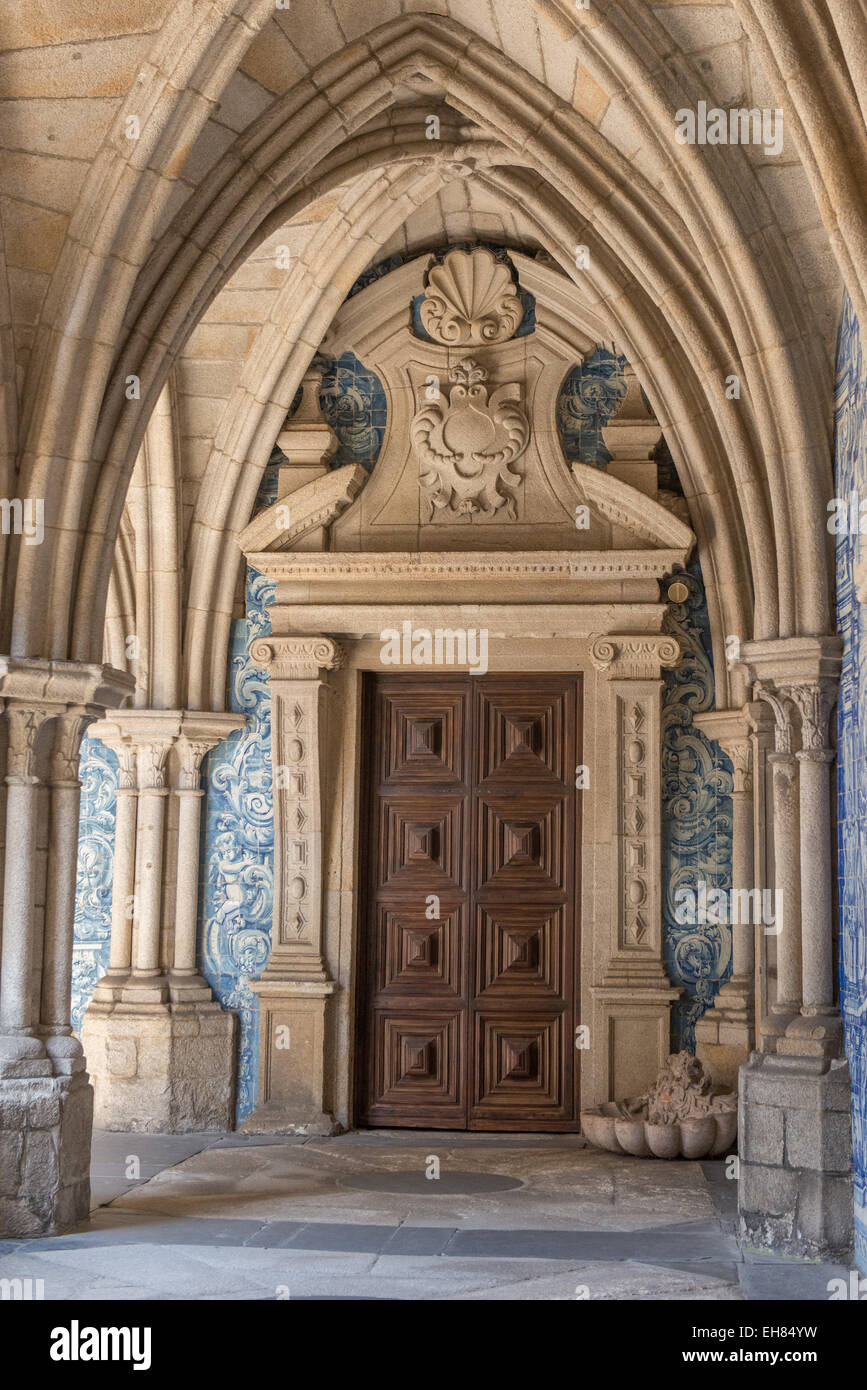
<point x="466" y="442"/>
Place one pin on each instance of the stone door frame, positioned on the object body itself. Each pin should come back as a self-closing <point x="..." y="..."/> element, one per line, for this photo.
<point x="595" y="613"/>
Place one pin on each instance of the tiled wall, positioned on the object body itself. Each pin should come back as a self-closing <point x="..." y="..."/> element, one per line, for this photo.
<point x="588" y="398"/>
<point x="99" y="773"/>
<point x="851" y="478"/>
<point x="697" y="781"/>
<point x="237" y="855"/>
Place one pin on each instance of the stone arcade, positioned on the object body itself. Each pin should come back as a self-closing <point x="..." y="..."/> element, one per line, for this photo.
<point x="433" y="449"/>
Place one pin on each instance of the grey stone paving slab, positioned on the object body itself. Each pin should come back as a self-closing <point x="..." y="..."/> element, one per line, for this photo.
<point x="189" y="1230"/>
<point x="594" y="1245"/>
<point x="419" y="1240"/>
<point x="345" y="1239"/>
<point x="448" y="1184"/>
<point x="260" y="1141"/>
<point x="783" y="1280"/>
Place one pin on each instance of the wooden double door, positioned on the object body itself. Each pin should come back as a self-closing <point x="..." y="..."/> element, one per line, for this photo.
<point x="469" y="909"/>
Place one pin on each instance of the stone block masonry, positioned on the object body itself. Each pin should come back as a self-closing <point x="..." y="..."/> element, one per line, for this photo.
<point x="796" y="1156"/>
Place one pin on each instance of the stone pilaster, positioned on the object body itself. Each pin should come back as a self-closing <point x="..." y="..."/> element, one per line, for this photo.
<point x="726" y="1033"/>
<point x="632" y="999"/>
<point x="160" y="1047"/>
<point x="295" y="986"/>
<point x="46" y="1101"/>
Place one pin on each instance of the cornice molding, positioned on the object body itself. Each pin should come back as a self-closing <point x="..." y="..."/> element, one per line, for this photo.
<point x="313" y="505"/>
<point x="445" y="565"/>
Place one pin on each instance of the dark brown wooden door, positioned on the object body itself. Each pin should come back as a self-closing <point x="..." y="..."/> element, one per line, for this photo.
<point x="469" y="931"/>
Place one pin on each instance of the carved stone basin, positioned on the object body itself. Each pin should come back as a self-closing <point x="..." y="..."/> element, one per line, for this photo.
<point x="682" y="1115"/>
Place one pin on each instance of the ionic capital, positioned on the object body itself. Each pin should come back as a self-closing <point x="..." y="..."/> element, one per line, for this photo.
<point x="297" y="657"/>
<point x="637" y="657"/>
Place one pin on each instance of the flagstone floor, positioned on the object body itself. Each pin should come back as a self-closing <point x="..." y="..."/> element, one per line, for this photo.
<point x="357" y="1217"/>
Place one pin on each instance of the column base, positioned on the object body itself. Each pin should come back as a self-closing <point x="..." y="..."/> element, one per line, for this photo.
<point x="45" y="1129"/>
<point x="189" y="988"/>
<point x="811" y="1033"/>
<point x="725" y="1035"/>
<point x="775" y="1023"/>
<point x="162" y="1068"/>
<point x="291" y="1057"/>
<point x="795" y="1144"/>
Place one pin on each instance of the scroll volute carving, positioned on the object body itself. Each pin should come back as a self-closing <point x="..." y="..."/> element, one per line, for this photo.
<point x="466" y="442"/>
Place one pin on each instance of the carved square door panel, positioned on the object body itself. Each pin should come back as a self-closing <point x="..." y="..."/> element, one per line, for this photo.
<point x="469" y="903"/>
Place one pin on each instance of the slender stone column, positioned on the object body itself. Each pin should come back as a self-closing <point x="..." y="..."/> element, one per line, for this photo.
<point x="19" y="1001"/>
<point x="726" y="1033"/>
<point x="147" y="983"/>
<point x="65" y="791"/>
<point x="295" y="985"/>
<point x="185" y="982"/>
<point x="787" y="871"/>
<point x="818" y="1032"/>
<point x="123" y="885"/>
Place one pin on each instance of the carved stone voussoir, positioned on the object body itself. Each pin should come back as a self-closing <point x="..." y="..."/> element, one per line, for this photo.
<point x="297" y="658"/>
<point x="471" y="300"/>
<point x="634" y="658"/>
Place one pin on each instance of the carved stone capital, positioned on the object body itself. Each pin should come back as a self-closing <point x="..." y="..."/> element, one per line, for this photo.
<point x="125" y="752"/>
<point x="634" y="658"/>
<point x="740" y="754"/>
<point x="26" y="724"/>
<point x="68" y="733"/>
<point x="191" y="752"/>
<point x="297" y="658"/>
<point x="151" y="759"/>
<point x="781" y="705"/>
<point x="732" y="729"/>
<point x="814" y="701"/>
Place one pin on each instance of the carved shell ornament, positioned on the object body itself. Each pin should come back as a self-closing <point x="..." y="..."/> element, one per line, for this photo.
<point x="471" y="300"/>
<point x="466" y="443"/>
